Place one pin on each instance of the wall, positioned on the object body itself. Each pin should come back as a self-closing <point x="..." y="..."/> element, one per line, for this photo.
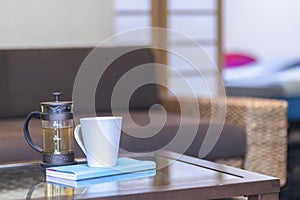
<point x="54" y="23"/>
<point x="268" y="29"/>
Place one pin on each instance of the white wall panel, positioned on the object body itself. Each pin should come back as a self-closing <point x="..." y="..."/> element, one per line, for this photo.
<point x="267" y="29"/>
<point x="192" y="4"/>
<point x="54" y="23"/>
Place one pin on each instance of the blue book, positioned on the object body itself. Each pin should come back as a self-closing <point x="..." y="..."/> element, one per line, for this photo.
<point x="83" y="171"/>
<point x="96" y="181"/>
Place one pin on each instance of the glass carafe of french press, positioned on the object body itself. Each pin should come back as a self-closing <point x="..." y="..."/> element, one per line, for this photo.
<point x="58" y="125"/>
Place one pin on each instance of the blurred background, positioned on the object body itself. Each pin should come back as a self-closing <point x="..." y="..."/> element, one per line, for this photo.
<point x="262" y="30"/>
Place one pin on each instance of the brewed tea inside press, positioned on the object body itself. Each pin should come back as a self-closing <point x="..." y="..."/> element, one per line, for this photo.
<point x="57" y="130"/>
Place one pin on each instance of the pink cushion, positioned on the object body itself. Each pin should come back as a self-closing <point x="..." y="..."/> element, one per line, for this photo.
<point x="236" y="60"/>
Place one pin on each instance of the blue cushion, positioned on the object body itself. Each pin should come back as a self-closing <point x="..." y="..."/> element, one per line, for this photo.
<point x="293" y="108"/>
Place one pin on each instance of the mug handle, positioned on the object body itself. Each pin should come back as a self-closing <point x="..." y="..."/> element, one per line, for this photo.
<point x="77" y="138"/>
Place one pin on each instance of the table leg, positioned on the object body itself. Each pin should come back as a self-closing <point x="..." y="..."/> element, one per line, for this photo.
<point x="271" y="196"/>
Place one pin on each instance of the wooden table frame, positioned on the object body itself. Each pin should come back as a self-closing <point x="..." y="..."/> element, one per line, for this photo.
<point x="252" y="185"/>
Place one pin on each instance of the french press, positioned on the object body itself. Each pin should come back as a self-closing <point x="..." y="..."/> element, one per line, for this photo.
<point x="58" y="125"/>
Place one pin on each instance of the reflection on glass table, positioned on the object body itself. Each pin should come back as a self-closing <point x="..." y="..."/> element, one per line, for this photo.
<point x="27" y="180"/>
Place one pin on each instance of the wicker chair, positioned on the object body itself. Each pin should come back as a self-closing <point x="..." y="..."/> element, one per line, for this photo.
<point x="265" y="124"/>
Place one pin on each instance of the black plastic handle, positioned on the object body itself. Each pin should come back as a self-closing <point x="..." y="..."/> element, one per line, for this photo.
<point x="37" y="115"/>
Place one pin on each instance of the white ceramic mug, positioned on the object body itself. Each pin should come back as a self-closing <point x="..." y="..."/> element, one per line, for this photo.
<point x="101" y="139"/>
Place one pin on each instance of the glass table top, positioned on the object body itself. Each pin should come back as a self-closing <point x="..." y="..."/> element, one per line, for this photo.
<point x="25" y="181"/>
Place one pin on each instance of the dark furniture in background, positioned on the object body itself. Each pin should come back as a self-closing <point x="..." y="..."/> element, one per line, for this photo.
<point x="29" y="76"/>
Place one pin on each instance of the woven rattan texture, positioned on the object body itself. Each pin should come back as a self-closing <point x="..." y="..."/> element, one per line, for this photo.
<point x="264" y="121"/>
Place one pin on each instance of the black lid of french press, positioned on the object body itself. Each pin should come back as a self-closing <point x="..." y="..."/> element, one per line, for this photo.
<point x="57" y="110"/>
